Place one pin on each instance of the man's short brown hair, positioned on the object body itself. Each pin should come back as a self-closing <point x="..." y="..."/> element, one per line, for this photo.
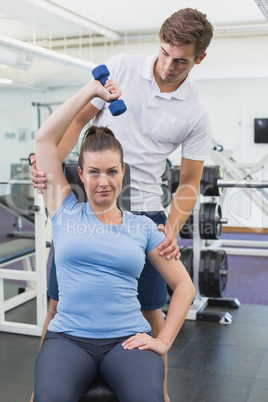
<point x="187" y="26"/>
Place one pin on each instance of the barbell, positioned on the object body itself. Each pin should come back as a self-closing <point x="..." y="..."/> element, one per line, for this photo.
<point x="11" y="181"/>
<point x="212" y="182"/>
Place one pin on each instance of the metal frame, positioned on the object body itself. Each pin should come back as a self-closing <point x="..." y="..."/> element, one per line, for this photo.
<point x="239" y="247"/>
<point x="37" y="277"/>
<point x="241" y="174"/>
<point x="198" y="311"/>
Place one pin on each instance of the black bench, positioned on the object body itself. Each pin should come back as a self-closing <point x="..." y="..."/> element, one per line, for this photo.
<point x="99" y="391"/>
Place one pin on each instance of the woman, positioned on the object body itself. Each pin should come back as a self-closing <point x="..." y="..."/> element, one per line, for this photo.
<point x="100" y="252"/>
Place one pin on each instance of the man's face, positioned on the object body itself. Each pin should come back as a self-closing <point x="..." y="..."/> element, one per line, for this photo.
<point x="174" y="63"/>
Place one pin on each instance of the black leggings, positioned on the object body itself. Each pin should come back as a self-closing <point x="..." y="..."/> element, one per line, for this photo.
<point x="66" y="365"/>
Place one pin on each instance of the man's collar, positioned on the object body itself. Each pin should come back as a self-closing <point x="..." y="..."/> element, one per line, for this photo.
<point x="148" y="70"/>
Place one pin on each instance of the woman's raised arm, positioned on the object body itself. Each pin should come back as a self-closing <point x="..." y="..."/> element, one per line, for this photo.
<point x="50" y="134"/>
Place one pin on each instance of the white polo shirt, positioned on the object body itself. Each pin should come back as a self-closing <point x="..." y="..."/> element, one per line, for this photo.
<point x="154" y="125"/>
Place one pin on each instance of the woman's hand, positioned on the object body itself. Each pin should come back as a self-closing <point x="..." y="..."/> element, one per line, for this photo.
<point x="111" y="86"/>
<point x="108" y="92"/>
<point x="169" y="246"/>
<point x="146" y="342"/>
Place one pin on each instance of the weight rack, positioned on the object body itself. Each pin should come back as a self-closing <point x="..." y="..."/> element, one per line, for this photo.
<point x="204" y="262"/>
<point x="199" y="309"/>
<point x="208" y="268"/>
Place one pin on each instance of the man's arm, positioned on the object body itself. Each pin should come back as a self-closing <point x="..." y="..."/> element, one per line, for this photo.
<point x="52" y="310"/>
<point x="186" y="195"/>
<point x="181" y="206"/>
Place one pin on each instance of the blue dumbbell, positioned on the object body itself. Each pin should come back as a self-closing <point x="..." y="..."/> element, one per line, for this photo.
<point x="101" y="73"/>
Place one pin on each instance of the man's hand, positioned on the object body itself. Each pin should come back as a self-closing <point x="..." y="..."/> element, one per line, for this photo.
<point x="38" y="178"/>
<point x="146" y="342"/>
<point x="169" y="246"/>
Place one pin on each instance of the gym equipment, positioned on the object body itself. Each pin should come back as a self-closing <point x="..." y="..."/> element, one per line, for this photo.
<point x="187" y="230"/>
<point x="101" y="73"/>
<point x="213" y="272"/>
<point x="164" y="176"/>
<point x="210" y="222"/>
<point x="20" y="199"/>
<point x="209" y="266"/>
<point x="21" y="208"/>
<point x="212" y="186"/>
<point x="212" y="182"/>
<point x="242" y="173"/>
<point x="39" y="106"/>
<point x="173" y="179"/>
<point x="209" y="181"/>
<point x="27" y="250"/>
<point x="99" y="391"/>
<point x="166" y="197"/>
<point x="187" y="260"/>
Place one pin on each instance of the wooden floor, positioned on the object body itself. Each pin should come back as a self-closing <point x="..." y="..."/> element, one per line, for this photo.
<point x="208" y="362"/>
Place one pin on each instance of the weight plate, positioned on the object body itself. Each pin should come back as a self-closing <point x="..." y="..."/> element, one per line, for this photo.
<point x="210" y="176"/>
<point x="187" y="259"/>
<point x="210" y="226"/>
<point x="164" y="176"/>
<point x="211" y="292"/>
<point x="166" y="196"/>
<point x="204" y="265"/>
<point x="186" y="231"/>
<point x="173" y="179"/>
<point x="220" y="274"/>
<point x="218" y="224"/>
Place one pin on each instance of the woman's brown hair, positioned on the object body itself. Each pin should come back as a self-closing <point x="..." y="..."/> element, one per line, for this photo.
<point x="99" y="139"/>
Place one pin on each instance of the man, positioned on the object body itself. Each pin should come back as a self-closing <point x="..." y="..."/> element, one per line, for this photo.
<point x="165" y="110"/>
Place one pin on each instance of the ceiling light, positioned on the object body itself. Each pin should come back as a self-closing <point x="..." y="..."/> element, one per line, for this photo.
<point x="263" y="6"/>
<point x="15" y="59"/>
<point x="26" y="48"/>
<point x="5" y="81"/>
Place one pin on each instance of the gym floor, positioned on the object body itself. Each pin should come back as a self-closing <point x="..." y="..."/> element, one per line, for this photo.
<point x="208" y="362"/>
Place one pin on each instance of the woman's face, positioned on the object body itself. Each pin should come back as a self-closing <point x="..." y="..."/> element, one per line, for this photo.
<point x="102" y="176"/>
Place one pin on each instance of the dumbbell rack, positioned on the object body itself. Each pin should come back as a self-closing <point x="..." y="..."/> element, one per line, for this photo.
<point x="199" y="310"/>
